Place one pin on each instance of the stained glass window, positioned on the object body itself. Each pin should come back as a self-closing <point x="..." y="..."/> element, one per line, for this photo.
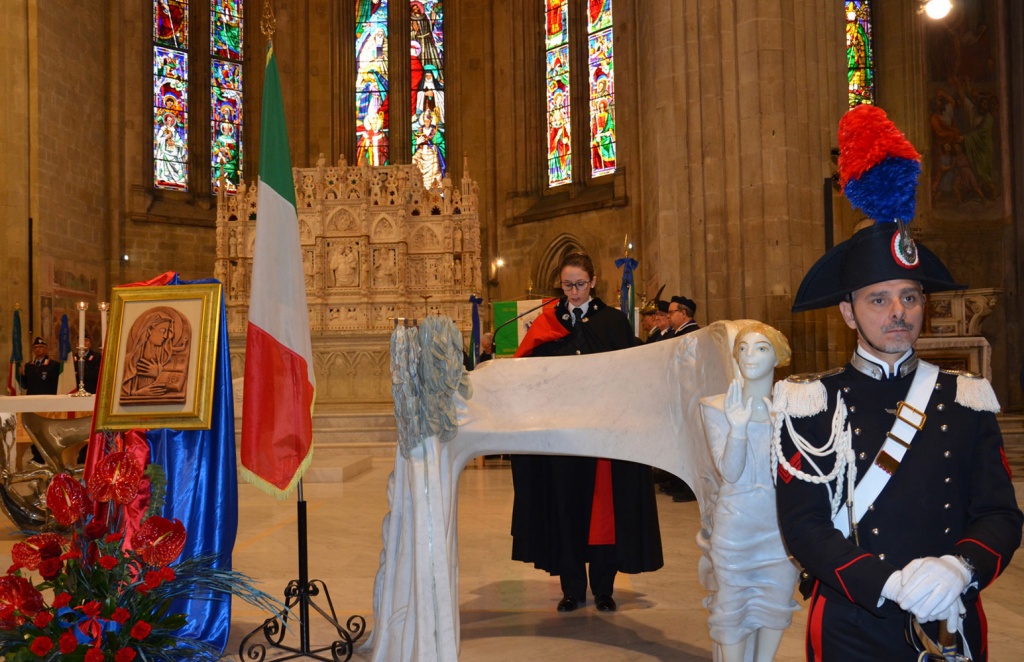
<point x="226" y="33"/>
<point x="602" y="87"/>
<point x="170" y="94"/>
<point x="860" y="52"/>
<point x="558" y="102"/>
<point x="372" y="117"/>
<point x="426" y="68"/>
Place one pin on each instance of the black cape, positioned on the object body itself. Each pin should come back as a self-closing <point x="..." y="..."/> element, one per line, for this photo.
<point x="553" y="494"/>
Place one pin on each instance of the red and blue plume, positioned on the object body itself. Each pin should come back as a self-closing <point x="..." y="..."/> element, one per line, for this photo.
<point x="878" y="167"/>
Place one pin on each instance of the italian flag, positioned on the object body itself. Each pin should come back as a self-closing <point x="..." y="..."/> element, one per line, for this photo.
<point x="277" y="406"/>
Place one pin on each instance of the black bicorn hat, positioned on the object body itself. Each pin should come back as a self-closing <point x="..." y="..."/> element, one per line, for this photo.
<point x="39" y="341"/>
<point x="662" y="306"/>
<point x="872" y="255"/>
<point x="688" y="304"/>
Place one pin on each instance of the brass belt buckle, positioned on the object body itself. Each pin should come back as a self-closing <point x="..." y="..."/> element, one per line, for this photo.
<point x="917" y="419"/>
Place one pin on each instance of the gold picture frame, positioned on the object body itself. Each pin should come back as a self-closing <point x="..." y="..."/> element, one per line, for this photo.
<point x="160" y="358"/>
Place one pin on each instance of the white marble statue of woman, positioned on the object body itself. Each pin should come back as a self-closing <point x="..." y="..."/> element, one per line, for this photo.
<point x="755" y="578"/>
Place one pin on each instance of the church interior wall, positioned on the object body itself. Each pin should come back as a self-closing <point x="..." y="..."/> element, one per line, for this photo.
<point x="726" y="116"/>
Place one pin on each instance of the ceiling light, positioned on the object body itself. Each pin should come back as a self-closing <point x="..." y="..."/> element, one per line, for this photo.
<point x="936" y="9"/>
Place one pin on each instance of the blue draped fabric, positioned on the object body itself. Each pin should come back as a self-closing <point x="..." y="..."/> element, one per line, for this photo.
<point x="474" y="337"/>
<point x="64" y="342"/>
<point x="627" y="264"/>
<point x="202" y="492"/>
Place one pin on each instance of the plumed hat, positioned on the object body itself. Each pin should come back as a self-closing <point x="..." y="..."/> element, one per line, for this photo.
<point x="688" y="304"/>
<point x="878" y="169"/>
<point x="650" y="306"/>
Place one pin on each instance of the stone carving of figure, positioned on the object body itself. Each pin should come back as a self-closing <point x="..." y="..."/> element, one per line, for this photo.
<point x="753" y="603"/>
<point x="156" y="360"/>
<point x="345" y="267"/>
<point x="385" y="269"/>
<point x="237" y="280"/>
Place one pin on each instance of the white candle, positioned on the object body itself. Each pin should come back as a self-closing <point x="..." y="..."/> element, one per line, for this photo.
<point x="104" y="307"/>
<point x="81" y="323"/>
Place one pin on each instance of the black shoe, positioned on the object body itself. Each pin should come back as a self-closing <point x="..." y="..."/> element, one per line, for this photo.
<point x="684" y="497"/>
<point x="604" y="603"/>
<point x="569" y="603"/>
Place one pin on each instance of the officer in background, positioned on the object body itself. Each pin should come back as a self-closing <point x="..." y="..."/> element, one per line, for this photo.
<point x="681" y="311"/>
<point x="663" y="329"/>
<point x="40" y="374"/>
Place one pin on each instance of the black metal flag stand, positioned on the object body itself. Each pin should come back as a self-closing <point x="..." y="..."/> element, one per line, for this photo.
<point x="299" y="596"/>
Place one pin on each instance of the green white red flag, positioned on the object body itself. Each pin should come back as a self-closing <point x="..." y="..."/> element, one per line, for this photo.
<point x="277" y="405"/>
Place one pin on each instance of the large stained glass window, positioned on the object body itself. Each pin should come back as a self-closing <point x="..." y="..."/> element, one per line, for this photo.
<point x="226" y="22"/>
<point x="372" y="119"/>
<point x="860" y="52"/>
<point x="426" y="68"/>
<point x="558" y="102"/>
<point x="170" y="94"/>
<point x="602" y="87"/>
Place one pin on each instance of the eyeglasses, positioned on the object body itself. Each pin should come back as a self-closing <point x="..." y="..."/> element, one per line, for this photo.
<point x="579" y="285"/>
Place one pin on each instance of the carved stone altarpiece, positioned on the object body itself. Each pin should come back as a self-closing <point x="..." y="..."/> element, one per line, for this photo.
<point x="376" y="245"/>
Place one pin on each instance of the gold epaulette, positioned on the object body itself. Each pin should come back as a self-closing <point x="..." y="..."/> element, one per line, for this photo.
<point x="974" y="391"/>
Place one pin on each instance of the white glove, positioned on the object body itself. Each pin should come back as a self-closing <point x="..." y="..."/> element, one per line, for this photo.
<point x="931" y="586"/>
<point x="953" y="616"/>
<point x="892" y="587"/>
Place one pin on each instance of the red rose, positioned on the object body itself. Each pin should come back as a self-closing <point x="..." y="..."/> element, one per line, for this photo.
<point x="41" y="645"/>
<point x="68" y="642"/>
<point x="50" y="568"/>
<point x="116" y="478"/>
<point x="124" y="655"/>
<point x="94" y="655"/>
<point x="120" y="615"/>
<point x="42" y="619"/>
<point x="18" y="594"/>
<point x="108" y="562"/>
<point x="159" y="541"/>
<point x="141" y="630"/>
<point x="95" y="529"/>
<point x="61" y="600"/>
<point x="67" y="499"/>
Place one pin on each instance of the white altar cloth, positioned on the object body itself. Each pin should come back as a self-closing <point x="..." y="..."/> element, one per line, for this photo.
<point x="50" y="403"/>
<point x="645" y="403"/>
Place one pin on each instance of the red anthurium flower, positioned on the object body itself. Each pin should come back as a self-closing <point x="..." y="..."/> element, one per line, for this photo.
<point x="17" y="593"/>
<point x="159" y="541"/>
<point x="116" y="478"/>
<point x="41" y="645"/>
<point x="35" y="549"/>
<point x="67" y="500"/>
<point x="68" y="642"/>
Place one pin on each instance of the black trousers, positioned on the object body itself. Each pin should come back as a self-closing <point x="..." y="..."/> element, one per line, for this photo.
<point x="602" y="571"/>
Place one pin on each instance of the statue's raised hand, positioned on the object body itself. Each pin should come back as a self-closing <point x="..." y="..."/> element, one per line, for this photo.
<point x="737" y="412"/>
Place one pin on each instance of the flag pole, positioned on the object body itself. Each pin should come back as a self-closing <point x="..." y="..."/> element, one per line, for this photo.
<point x="299" y="593"/>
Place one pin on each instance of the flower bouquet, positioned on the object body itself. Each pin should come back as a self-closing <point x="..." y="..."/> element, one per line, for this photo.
<point x="100" y="596"/>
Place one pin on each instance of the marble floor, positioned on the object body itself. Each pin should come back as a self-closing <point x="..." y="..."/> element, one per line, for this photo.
<point x="508" y="608"/>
